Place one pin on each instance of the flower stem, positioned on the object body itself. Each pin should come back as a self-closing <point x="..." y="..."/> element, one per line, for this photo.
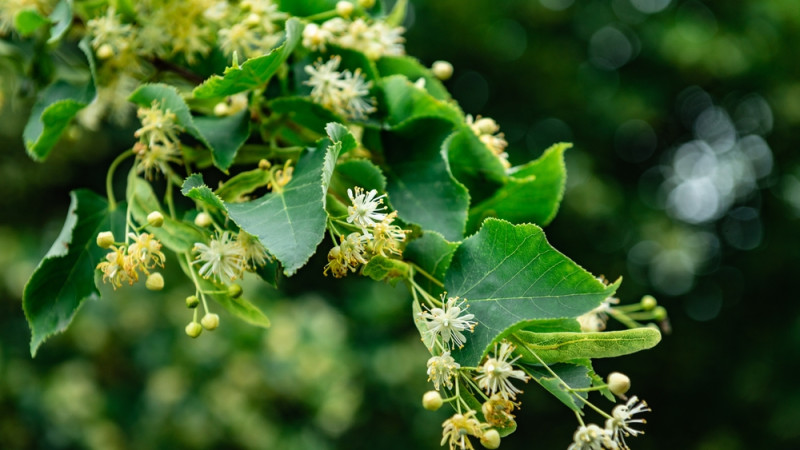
<point x="427" y="275"/>
<point x="112" y="203"/>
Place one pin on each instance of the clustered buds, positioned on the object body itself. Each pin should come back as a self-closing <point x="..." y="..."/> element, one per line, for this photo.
<point x="487" y="131"/>
<point x="125" y="261"/>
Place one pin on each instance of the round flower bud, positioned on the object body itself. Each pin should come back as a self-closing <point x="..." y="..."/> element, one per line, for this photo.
<point x="235" y="290"/>
<point x="210" y="321"/>
<point x="264" y="164"/>
<point x="155" y="282"/>
<point x="442" y="70"/>
<point x="194" y="329"/>
<point x="618" y="383"/>
<point x="432" y="401"/>
<point x="155" y="219"/>
<point x="366" y="4"/>
<point x="221" y="109"/>
<point x="202" y="220"/>
<point x="105" y="239"/>
<point x="490" y="438"/>
<point x="648" y="302"/>
<point x="105" y="51"/>
<point x="659" y="313"/>
<point x="344" y="8"/>
<point x="487" y="125"/>
<point x="192" y="301"/>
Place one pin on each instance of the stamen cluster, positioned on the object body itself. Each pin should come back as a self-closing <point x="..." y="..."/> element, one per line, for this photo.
<point x="345" y="93"/>
<point x="374" y="38"/>
<point x="123" y="263"/>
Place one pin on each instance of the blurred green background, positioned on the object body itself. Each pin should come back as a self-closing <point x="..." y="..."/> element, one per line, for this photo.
<point x="684" y="180"/>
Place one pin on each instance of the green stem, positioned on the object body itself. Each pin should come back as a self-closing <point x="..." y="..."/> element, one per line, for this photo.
<point x="427" y="275"/>
<point x="325" y="15"/>
<point x="624" y="319"/>
<point x="196" y="282"/>
<point x="112" y="203"/>
<point x="169" y="200"/>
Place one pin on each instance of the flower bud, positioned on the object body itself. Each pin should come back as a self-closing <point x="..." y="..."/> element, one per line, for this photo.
<point x="105" y="51"/>
<point x="490" y="438"/>
<point x="648" y="302"/>
<point x="194" y="329"/>
<point x="432" y="401"/>
<point x="366" y="4"/>
<point x="264" y="164"/>
<point x="618" y="383"/>
<point x="210" y="321"/>
<point x="487" y="125"/>
<point x="442" y="70"/>
<point x="155" y="219"/>
<point x="155" y="282"/>
<point x="221" y="109"/>
<point x="344" y="8"/>
<point x="235" y="291"/>
<point x="105" y="239"/>
<point x="659" y="313"/>
<point x="202" y="220"/>
<point x="192" y="301"/>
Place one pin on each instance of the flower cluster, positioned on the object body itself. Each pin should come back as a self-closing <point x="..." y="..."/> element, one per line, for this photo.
<point x="487" y="131"/>
<point x="618" y="426"/>
<point x="448" y="322"/>
<point x="226" y="257"/>
<point x="10" y="8"/>
<point x="123" y="263"/>
<point x="345" y="93"/>
<point x="377" y="234"/>
<point x="253" y="31"/>
<point x="374" y="39"/>
<point x="158" y="139"/>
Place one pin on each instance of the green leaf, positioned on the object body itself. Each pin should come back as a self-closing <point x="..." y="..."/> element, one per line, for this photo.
<point x="474" y="164"/>
<point x="398" y="14"/>
<point x="238" y="307"/>
<point x="413" y="70"/>
<point x="29" y="20"/>
<point x="420" y="185"/>
<point x="510" y="276"/>
<point x="405" y="102"/>
<point x="168" y="98"/>
<point x="225" y="135"/>
<point x="339" y="133"/>
<point x="238" y="186"/>
<point x="65" y="277"/>
<point x="532" y="193"/>
<point x="55" y="108"/>
<point x="61" y="17"/>
<point x="254" y="72"/>
<point x="303" y="111"/>
<point x="433" y="254"/>
<point x="194" y="188"/>
<point x="176" y="235"/>
<point x="565" y="346"/>
<point x="290" y="222"/>
<point x="306" y="7"/>
<point x="576" y="376"/>
<point x="380" y="268"/>
<point x="356" y="172"/>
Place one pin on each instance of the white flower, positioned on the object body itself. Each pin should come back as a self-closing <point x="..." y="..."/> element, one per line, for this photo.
<point x="354" y="89"/>
<point x="387" y="237"/>
<point x="342" y="92"/>
<point x="619" y="425"/>
<point x="352" y="248"/>
<point x="441" y="370"/>
<point x="493" y="375"/>
<point x="223" y="257"/>
<point x="456" y="429"/>
<point x="595" y="320"/>
<point x="591" y="437"/>
<point x="366" y="209"/>
<point x="448" y="322"/>
<point x="255" y="254"/>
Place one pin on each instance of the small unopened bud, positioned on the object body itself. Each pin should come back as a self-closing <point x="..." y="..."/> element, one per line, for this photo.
<point x="194" y="329"/>
<point x="155" y="219"/>
<point x="344" y="9"/>
<point x="442" y="70"/>
<point x="618" y="383"/>
<point x="490" y="438"/>
<point x="432" y="401"/>
<point x="105" y="239"/>
<point x="487" y="125"/>
<point x="366" y="4"/>
<point x="264" y="164"/>
<point x="192" y="301"/>
<point x="221" y="109"/>
<point x="659" y="313"/>
<point x="648" y="302"/>
<point x="105" y="51"/>
<point x="252" y="19"/>
<point x="202" y="220"/>
<point x="155" y="282"/>
<point x="210" y="321"/>
<point x="235" y="291"/>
